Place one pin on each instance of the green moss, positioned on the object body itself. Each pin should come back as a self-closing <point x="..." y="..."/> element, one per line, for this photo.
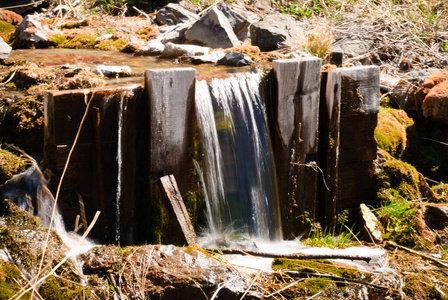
<point x="10" y="276"/>
<point x="398" y="178"/>
<point x="192" y="205"/>
<point x="6" y="30"/>
<point x="58" y="39"/>
<point x="316" y="266"/>
<point x="109" y="45"/>
<point x="53" y="289"/>
<point x="82" y="41"/>
<point x="391" y="131"/>
<point x="10" y="164"/>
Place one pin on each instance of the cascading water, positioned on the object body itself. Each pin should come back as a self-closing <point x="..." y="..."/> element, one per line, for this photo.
<point x="238" y="173"/>
<point x="121" y="108"/>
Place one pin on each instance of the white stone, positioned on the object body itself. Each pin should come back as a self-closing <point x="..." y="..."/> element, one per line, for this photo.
<point x="113" y="71"/>
<point x="173" y="50"/>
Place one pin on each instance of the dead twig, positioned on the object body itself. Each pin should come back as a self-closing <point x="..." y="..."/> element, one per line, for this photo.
<point x="441" y="262"/>
<point x="290" y="256"/>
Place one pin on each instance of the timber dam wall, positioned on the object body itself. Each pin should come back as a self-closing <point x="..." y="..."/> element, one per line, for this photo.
<point x="306" y="149"/>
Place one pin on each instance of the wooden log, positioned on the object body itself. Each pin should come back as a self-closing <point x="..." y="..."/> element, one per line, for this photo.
<point x="329" y="146"/>
<point x="172" y="200"/>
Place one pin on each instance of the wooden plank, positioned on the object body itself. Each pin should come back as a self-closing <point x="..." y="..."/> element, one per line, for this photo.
<point x="356" y="184"/>
<point x="329" y="145"/>
<point x="358" y="142"/>
<point x="287" y="74"/>
<point x="171" y="107"/>
<point x="173" y="201"/>
<point x="303" y="173"/>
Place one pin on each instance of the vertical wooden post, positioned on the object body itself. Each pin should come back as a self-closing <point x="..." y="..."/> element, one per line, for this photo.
<point x="329" y="145"/>
<point x="360" y="104"/>
<point x="295" y="113"/>
<point x="171" y="103"/>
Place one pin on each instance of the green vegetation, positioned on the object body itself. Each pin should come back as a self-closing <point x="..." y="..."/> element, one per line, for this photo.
<point x="10" y="164"/>
<point x="399" y="219"/>
<point x="10" y="277"/>
<point x="391" y="131"/>
<point x="111" y="45"/>
<point x="6" y="31"/>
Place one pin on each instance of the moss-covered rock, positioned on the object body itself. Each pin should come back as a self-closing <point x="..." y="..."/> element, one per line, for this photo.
<point x="23" y="124"/>
<point x="391" y="130"/>
<point x="398" y="178"/>
<point x="10" y="164"/>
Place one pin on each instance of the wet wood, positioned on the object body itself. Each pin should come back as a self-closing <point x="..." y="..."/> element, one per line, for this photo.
<point x="329" y="146"/>
<point x="173" y="199"/>
<point x="304" y="177"/>
<point x="171" y="100"/>
<point x="290" y="256"/>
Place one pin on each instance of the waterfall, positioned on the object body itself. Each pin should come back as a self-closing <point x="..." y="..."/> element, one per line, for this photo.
<point x="121" y="111"/>
<point x="237" y="169"/>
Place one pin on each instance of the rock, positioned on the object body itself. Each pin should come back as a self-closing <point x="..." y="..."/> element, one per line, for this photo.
<point x="273" y="30"/>
<point x="173" y="14"/>
<point x="173" y="50"/>
<point x="5" y="50"/>
<point x="58" y="11"/>
<point x="212" y="30"/>
<point x="169" y="272"/>
<point x="236" y="59"/>
<point x="239" y="23"/>
<point x="408" y="91"/>
<point x="113" y="71"/>
<point x="174" y="34"/>
<point x="33" y="31"/>
<point x="213" y="57"/>
<point x="154" y="47"/>
<point x="353" y="46"/>
<point x="371" y="223"/>
<point x="436" y="216"/>
<point x="435" y="103"/>
<point x="10" y="17"/>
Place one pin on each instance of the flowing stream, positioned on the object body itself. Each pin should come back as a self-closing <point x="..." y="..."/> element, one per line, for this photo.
<point x="237" y="169"/>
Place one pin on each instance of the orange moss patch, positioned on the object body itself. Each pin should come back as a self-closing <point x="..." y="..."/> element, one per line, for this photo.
<point x="435" y="104"/>
<point x="10" y="17"/>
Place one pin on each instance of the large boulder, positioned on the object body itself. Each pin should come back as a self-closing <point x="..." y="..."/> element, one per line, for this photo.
<point x="273" y="30"/>
<point x="410" y="91"/>
<point x="168" y="272"/>
<point x="213" y="30"/>
<point x="5" y="50"/>
<point x="240" y="24"/>
<point x="173" y="14"/>
<point x="33" y="31"/>
<point x="436" y="216"/>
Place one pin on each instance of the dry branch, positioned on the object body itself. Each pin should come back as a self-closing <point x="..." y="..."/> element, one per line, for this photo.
<point x="290" y="256"/>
